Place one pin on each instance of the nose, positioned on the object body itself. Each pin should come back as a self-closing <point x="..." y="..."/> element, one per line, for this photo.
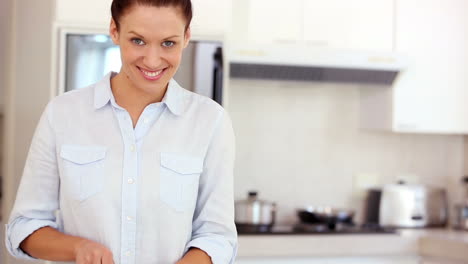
<point x="152" y="58"/>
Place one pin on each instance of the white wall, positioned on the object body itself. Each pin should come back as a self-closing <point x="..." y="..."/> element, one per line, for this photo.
<point x="4" y="23"/>
<point x="28" y="87"/>
<point x="4" y="29"/>
<point x="299" y="144"/>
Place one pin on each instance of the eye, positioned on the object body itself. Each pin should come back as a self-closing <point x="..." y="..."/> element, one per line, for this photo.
<point x="168" y="44"/>
<point x="138" y="41"/>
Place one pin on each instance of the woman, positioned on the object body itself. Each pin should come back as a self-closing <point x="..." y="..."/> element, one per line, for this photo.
<point x="132" y="169"/>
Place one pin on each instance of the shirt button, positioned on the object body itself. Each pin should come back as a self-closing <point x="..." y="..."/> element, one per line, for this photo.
<point x="132" y="148"/>
<point x="129" y="218"/>
<point x="146" y="120"/>
<point x="128" y="253"/>
<point x="130" y="181"/>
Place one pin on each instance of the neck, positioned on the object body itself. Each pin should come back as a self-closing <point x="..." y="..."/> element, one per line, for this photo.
<point x="129" y="96"/>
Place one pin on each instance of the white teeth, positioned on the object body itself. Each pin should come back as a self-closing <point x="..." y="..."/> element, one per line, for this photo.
<point x="152" y="74"/>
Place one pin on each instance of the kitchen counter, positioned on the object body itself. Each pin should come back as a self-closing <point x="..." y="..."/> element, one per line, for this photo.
<point x="445" y="244"/>
<point x="442" y="243"/>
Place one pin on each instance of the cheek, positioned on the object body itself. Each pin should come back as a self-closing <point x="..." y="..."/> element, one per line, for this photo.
<point x="175" y="57"/>
<point x="129" y="55"/>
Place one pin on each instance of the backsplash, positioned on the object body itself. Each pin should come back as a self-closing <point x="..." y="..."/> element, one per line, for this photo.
<point x="299" y="143"/>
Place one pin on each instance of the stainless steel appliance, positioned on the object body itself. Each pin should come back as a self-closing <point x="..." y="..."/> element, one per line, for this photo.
<point x="88" y="57"/>
<point x="461" y="216"/>
<point x="304" y="63"/>
<point x="461" y="209"/>
<point x="254" y="215"/>
<point x="410" y="205"/>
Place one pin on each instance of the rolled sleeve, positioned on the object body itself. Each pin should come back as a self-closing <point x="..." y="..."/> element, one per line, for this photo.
<point x="19" y="230"/>
<point x="218" y="248"/>
<point x="37" y="197"/>
<point x="213" y="226"/>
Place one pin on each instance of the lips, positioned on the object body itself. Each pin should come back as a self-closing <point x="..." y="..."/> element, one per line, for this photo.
<point x="152" y="75"/>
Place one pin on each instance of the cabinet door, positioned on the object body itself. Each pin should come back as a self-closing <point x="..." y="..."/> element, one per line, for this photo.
<point x="350" y="25"/>
<point x="430" y="96"/>
<point x="87" y="12"/>
<point x="273" y="21"/>
<point x="211" y="17"/>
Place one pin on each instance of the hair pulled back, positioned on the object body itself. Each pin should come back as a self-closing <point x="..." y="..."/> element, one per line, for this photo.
<point x="119" y="7"/>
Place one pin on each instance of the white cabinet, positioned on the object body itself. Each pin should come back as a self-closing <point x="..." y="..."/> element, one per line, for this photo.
<point x="272" y="21"/>
<point x="353" y="25"/>
<point x="430" y="95"/>
<point x="335" y="24"/>
<point x="211" y="17"/>
<point x="83" y="12"/>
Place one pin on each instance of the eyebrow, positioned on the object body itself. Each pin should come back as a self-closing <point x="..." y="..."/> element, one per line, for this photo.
<point x="133" y="32"/>
<point x="175" y="36"/>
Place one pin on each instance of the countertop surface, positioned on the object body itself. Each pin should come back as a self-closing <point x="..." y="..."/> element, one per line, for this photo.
<point x="440" y="243"/>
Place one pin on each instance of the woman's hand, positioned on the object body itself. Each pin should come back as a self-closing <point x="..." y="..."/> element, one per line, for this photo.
<point x="90" y="252"/>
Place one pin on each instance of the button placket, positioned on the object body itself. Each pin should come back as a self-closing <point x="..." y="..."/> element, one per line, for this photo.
<point x="129" y="191"/>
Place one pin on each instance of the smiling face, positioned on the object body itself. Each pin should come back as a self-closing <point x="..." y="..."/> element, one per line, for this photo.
<point x="151" y="41"/>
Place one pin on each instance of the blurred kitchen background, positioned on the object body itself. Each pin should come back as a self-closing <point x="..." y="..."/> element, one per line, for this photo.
<point x="299" y="142"/>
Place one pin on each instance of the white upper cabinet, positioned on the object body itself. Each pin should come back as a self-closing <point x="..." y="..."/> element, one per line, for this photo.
<point x="351" y="25"/>
<point x="430" y="95"/>
<point x="335" y="24"/>
<point x="272" y="21"/>
<point x="84" y="12"/>
<point x="211" y="18"/>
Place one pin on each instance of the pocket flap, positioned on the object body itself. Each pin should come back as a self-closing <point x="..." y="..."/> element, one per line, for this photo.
<point x="182" y="164"/>
<point x="82" y="154"/>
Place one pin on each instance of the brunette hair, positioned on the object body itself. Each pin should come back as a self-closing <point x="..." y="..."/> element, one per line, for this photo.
<point x="119" y="7"/>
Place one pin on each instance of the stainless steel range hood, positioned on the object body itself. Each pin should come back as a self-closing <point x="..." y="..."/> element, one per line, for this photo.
<point x="295" y="63"/>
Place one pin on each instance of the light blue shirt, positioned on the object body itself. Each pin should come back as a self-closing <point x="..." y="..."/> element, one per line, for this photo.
<point x="147" y="193"/>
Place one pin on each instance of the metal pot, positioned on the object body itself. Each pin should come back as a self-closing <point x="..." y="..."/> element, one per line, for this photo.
<point x="325" y="215"/>
<point x="254" y="215"/>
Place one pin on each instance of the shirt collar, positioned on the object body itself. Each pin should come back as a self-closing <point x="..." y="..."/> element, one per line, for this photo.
<point x="102" y="91"/>
<point x="173" y="97"/>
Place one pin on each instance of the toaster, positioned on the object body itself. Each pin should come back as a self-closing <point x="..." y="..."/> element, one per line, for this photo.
<point x="410" y="206"/>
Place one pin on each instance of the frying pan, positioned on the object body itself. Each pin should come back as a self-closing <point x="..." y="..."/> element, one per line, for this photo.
<point x="325" y="215"/>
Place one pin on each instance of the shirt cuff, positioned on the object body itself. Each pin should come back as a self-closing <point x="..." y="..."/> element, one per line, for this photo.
<point x="220" y="250"/>
<point x="19" y="231"/>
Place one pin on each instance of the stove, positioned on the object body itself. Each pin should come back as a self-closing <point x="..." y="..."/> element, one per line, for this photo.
<point x="319" y="229"/>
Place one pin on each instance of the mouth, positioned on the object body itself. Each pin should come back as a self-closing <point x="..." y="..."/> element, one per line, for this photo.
<point x="152" y="75"/>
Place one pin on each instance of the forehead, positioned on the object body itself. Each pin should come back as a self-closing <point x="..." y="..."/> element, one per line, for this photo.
<point x="153" y="21"/>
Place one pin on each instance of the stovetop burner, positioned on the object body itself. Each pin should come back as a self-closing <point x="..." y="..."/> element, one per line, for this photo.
<point x="311" y="229"/>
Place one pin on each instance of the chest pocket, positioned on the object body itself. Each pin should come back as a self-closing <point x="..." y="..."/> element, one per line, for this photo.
<point x="83" y="170"/>
<point x="179" y="176"/>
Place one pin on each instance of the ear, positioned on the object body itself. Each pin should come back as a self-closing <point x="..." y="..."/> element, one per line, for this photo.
<point x="114" y="32"/>
<point x="188" y="35"/>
